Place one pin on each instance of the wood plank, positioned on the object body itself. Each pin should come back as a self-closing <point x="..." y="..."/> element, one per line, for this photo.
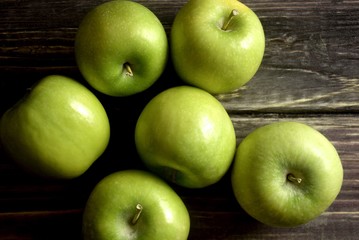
<point x="309" y="74"/>
<point x="66" y="225"/>
<point x="214" y="212"/>
<point x="310" y="62"/>
<point x="41" y="225"/>
<point x="311" y="59"/>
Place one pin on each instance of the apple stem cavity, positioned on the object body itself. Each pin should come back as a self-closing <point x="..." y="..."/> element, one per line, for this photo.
<point x="128" y="69"/>
<point x="135" y="218"/>
<point x="234" y="13"/>
<point x="294" y="179"/>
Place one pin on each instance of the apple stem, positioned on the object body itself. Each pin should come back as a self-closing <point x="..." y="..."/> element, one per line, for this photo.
<point x="294" y="179"/>
<point x="139" y="209"/>
<point x="234" y="13"/>
<point x="128" y="70"/>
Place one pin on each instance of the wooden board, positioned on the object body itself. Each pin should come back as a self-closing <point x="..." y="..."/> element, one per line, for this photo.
<point x="309" y="74"/>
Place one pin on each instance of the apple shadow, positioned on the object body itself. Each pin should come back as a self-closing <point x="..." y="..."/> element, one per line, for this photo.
<point x="123" y="112"/>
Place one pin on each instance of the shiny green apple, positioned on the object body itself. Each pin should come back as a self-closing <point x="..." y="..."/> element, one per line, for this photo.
<point x="286" y="174"/>
<point x="57" y="130"/>
<point x="186" y="136"/>
<point x="134" y="204"/>
<point x="217" y="45"/>
<point x="121" y="48"/>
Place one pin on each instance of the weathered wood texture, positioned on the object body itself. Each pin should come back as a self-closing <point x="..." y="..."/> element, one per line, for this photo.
<point x="309" y="74"/>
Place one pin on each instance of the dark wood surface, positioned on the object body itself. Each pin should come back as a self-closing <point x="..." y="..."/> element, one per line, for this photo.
<point x="309" y="74"/>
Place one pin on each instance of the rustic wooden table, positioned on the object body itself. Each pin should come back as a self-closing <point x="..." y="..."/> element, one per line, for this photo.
<point x="310" y="73"/>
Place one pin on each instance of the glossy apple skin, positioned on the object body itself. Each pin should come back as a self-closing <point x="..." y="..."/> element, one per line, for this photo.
<point x="208" y="57"/>
<point x="261" y="167"/>
<point x="113" y="34"/>
<point x="57" y="130"/>
<point x="185" y="135"/>
<point x="112" y="206"/>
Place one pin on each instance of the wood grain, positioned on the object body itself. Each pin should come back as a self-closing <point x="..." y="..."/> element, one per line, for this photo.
<point x="309" y="74"/>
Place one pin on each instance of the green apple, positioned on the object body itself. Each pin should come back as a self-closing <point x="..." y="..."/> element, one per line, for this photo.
<point x="134" y="204"/>
<point x="217" y="45"/>
<point x="286" y="174"/>
<point x="57" y="130"/>
<point x="186" y="136"/>
<point x="121" y="48"/>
